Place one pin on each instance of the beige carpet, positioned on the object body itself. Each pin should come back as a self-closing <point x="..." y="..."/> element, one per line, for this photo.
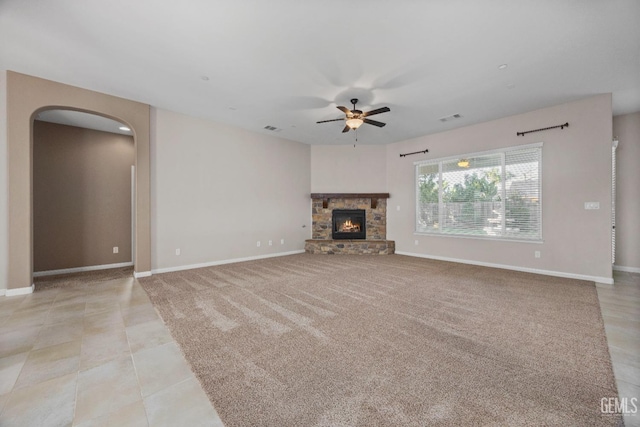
<point x="311" y="340"/>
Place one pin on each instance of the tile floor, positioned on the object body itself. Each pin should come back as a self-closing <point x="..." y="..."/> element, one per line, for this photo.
<point x="94" y="355"/>
<point x="620" y="305"/>
<point x="99" y="355"/>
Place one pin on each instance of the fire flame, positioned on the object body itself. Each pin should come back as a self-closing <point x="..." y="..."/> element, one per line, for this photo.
<point x="349" y="226"/>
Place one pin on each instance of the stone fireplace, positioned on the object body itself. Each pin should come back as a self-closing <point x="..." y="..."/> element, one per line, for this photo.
<point x="366" y="233"/>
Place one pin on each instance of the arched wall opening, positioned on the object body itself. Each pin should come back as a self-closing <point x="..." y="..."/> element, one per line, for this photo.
<point x="26" y="97"/>
<point x="82" y="193"/>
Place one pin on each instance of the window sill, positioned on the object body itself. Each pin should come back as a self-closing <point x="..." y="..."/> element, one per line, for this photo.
<point x="462" y="236"/>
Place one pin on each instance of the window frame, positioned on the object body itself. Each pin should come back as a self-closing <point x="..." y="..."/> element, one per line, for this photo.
<point x="439" y="162"/>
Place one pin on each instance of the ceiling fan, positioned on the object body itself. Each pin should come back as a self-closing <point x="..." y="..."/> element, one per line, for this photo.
<point x="355" y="118"/>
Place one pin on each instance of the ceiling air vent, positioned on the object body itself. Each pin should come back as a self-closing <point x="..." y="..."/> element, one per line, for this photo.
<point x="449" y="118"/>
<point x="272" y="128"/>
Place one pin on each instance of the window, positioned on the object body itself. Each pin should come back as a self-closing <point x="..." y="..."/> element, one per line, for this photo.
<point x="495" y="194"/>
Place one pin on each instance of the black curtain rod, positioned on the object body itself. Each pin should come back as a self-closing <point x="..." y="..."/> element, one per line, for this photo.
<point x="566" y="125"/>
<point x="415" y="152"/>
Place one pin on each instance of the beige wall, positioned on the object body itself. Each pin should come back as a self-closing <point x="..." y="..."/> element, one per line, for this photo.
<point x="4" y="225"/>
<point x="627" y="129"/>
<point x="81" y="197"/>
<point x="217" y="190"/>
<point x="348" y="169"/>
<point x="576" y="168"/>
<point x="26" y="96"/>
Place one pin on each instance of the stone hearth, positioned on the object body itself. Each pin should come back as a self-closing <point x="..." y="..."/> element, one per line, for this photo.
<point x="350" y="247"/>
<point x="375" y="206"/>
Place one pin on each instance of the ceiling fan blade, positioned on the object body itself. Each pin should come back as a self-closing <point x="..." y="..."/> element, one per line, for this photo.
<point x="333" y="120"/>
<point x="346" y="129"/>
<point x="374" y="122"/>
<point x="376" y="111"/>
<point x="344" y="109"/>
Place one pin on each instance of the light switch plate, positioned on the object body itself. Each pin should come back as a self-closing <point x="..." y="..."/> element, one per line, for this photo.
<point x="591" y="205"/>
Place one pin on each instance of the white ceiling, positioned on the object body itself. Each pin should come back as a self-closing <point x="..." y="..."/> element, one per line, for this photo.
<point x="289" y="63"/>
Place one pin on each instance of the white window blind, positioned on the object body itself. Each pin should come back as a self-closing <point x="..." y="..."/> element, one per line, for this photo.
<point x="493" y="194"/>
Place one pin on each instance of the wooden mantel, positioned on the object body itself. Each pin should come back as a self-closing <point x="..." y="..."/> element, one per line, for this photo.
<point x="373" y="196"/>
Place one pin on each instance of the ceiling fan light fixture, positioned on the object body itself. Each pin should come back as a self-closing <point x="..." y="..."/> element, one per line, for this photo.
<point x="353" y="119"/>
<point x="354" y="123"/>
<point x="463" y="163"/>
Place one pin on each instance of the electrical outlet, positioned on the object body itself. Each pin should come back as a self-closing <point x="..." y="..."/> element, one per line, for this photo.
<point x="398" y="207"/>
<point x="178" y="251"/>
<point x="270" y="243"/>
<point x="282" y="241"/>
<point x="536" y="254"/>
<point x="591" y="205"/>
<point x="258" y="244"/>
<point x="115" y="249"/>
<point x="415" y="242"/>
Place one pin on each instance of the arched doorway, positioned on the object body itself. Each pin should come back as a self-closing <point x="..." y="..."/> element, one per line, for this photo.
<point x="26" y="96"/>
<point x="83" y="187"/>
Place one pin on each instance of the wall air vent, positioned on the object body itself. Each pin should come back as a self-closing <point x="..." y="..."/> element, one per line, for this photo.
<point x="449" y="118"/>
<point x="272" y="128"/>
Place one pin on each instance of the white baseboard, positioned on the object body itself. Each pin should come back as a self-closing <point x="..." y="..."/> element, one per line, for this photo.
<point x="226" y="261"/>
<point x="81" y="269"/>
<point x="20" y="291"/>
<point x="626" y="269"/>
<point x="605" y="280"/>
<point x="140" y="274"/>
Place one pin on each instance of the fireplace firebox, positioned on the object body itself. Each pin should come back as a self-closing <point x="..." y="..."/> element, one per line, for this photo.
<point x="349" y="224"/>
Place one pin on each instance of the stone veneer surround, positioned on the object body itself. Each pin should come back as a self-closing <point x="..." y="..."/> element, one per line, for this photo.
<point x="376" y="218"/>
<point x="350" y="247"/>
<point x="375" y="206"/>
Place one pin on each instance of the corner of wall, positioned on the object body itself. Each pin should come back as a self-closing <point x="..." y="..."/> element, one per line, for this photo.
<point x="626" y="128"/>
<point x="4" y="226"/>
